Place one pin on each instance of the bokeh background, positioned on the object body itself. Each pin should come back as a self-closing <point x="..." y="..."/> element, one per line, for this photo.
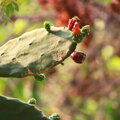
<point x="88" y="91"/>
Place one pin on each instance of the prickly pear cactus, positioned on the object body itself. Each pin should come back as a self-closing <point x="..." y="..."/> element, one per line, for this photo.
<point x="14" y="109"/>
<point x="35" y="52"/>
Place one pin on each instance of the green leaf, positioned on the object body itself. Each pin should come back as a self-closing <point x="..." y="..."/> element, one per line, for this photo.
<point x="5" y="18"/>
<point x="5" y="2"/>
<point x="2" y="3"/>
<point x="9" y="10"/>
<point x="15" y="6"/>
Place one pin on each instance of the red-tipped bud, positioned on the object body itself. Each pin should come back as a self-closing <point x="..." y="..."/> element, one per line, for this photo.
<point x="72" y="21"/>
<point x="76" y="29"/>
<point x="70" y="24"/>
<point x="78" y="56"/>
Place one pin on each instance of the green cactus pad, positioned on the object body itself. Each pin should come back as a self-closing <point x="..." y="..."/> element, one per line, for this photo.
<point x="35" y="52"/>
<point x="14" y="109"/>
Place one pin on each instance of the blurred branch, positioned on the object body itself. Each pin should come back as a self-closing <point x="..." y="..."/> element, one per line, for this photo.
<point x="104" y="12"/>
<point x="32" y="18"/>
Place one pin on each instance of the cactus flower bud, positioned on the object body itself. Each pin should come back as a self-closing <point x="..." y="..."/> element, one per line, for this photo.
<point x="40" y="77"/>
<point x="86" y="27"/>
<point x="72" y="21"/>
<point x="47" y="25"/>
<point x="78" y="56"/>
<point x="54" y="116"/>
<point x="70" y="24"/>
<point x="32" y="101"/>
<point x="76" y="29"/>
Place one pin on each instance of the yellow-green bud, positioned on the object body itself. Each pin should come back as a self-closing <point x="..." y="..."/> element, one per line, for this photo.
<point x="47" y="25"/>
<point x="86" y="27"/>
<point x="32" y="101"/>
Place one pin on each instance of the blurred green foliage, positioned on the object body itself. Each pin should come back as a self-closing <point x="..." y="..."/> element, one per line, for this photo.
<point x="8" y="7"/>
<point x="51" y="92"/>
<point x="104" y="1"/>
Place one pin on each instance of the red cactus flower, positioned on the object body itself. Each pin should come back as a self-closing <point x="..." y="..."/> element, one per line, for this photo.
<point x="76" y="29"/>
<point x="72" y="21"/>
<point x="78" y="56"/>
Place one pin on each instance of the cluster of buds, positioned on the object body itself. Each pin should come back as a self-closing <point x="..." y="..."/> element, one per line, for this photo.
<point x="78" y="34"/>
<point x="72" y="21"/>
<point x="84" y="31"/>
<point x="73" y="25"/>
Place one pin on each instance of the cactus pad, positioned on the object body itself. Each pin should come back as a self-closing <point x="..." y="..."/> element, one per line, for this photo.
<point x="14" y="109"/>
<point x="35" y="52"/>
